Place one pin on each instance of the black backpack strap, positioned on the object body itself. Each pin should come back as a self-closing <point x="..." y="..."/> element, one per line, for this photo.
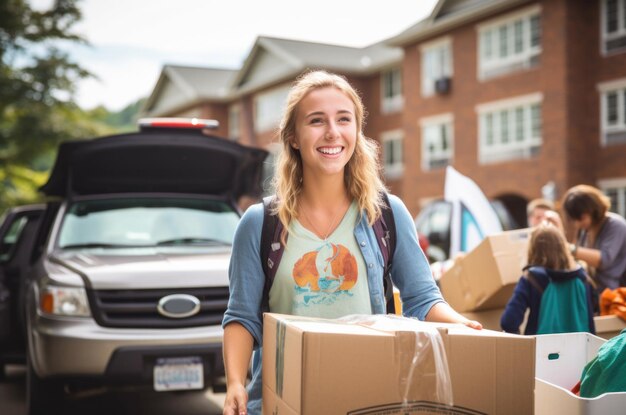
<point x="271" y="249"/>
<point x="385" y="230"/>
<point x="532" y="280"/>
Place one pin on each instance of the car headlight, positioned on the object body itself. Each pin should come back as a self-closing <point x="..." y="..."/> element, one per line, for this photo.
<point x="64" y="301"/>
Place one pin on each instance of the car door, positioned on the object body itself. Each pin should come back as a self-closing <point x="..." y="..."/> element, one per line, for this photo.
<point x="434" y="222"/>
<point x="18" y="228"/>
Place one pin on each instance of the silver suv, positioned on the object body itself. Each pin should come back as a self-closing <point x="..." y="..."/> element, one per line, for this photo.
<point x="125" y="280"/>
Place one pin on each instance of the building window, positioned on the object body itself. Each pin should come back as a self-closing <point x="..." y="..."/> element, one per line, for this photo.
<point x="391" y="81"/>
<point x="437" y="141"/>
<point x="510" y="129"/>
<point x="615" y="189"/>
<point x="392" y="143"/>
<point x="613" y="112"/>
<point x="234" y="113"/>
<point x="510" y="43"/>
<point x="436" y="66"/>
<point x="268" y="108"/>
<point x="613" y="25"/>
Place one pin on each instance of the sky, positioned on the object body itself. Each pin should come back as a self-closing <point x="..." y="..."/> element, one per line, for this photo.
<point x="131" y="40"/>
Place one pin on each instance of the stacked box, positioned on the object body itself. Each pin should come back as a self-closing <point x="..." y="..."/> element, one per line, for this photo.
<point x="608" y="326"/>
<point x="484" y="278"/>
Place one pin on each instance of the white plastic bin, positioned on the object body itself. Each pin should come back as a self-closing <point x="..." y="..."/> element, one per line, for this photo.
<point x="560" y="359"/>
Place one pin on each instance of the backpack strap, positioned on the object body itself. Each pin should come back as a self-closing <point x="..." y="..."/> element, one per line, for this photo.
<point x="532" y="280"/>
<point x="271" y="248"/>
<point x="385" y="230"/>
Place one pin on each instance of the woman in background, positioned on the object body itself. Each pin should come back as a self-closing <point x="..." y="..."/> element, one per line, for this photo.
<point x="600" y="235"/>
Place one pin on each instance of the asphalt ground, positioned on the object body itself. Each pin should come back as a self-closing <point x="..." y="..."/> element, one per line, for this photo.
<point x="113" y="402"/>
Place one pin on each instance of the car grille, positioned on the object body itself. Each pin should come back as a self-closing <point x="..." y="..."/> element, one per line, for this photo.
<point x="138" y="308"/>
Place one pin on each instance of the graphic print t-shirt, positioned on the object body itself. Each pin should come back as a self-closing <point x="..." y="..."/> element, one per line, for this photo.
<point x="322" y="278"/>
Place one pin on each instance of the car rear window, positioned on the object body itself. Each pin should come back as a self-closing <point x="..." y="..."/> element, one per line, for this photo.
<point x="135" y="222"/>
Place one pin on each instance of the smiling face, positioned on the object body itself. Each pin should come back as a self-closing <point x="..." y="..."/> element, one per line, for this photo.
<point x="326" y="132"/>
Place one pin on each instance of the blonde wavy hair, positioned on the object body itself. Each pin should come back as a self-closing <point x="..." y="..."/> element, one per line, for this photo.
<point x="362" y="173"/>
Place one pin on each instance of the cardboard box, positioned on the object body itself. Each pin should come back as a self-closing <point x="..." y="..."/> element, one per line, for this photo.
<point x="560" y="362"/>
<point x="315" y="366"/>
<point x="608" y="326"/>
<point x="485" y="277"/>
<point x="490" y="319"/>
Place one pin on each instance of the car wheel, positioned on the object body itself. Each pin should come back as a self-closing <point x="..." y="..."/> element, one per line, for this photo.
<point x="43" y="396"/>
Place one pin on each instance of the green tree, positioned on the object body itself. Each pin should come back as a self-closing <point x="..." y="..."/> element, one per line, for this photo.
<point x="37" y="86"/>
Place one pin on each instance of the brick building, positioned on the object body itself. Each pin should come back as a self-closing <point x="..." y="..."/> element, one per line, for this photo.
<point x="518" y="95"/>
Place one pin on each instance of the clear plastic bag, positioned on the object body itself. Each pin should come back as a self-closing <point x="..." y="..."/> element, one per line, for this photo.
<point x="424" y="375"/>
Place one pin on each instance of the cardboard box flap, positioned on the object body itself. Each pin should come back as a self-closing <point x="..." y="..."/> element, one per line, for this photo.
<point x="282" y="364"/>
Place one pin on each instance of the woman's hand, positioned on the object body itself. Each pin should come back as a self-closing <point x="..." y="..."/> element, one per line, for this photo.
<point x="553" y="218"/>
<point x="236" y="400"/>
<point x="237" y="351"/>
<point x="473" y="324"/>
<point x="443" y="313"/>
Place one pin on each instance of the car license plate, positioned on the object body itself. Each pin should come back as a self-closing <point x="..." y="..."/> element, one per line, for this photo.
<point x="178" y="373"/>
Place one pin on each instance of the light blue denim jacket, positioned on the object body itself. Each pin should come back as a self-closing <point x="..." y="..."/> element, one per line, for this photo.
<point x="410" y="273"/>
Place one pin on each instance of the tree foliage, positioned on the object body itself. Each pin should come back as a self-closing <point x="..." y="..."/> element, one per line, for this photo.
<point x="37" y="86"/>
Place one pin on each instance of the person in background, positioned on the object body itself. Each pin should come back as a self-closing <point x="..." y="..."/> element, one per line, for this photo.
<point x="536" y="211"/>
<point x="328" y="195"/>
<point x="600" y="235"/>
<point x="549" y="262"/>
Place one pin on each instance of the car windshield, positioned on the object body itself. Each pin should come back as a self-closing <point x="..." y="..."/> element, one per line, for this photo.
<point x="135" y="222"/>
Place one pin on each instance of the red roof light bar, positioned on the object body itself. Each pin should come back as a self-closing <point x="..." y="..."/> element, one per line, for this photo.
<point x="197" y="123"/>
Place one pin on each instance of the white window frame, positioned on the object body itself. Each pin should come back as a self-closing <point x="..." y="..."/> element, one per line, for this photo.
<point x="618" y="185"/>
<point x="268" y="108"/>
<point x="442" y="49"/>
<point x="441" y="120"/>
<point x="617" y="86"/>
<point x="396" y="169"/>
<point x="395" y="102"/>
<point x="496" y="66"/>
<point x="234" y="122"/>
<point x="514" y="149"/>
<point x="621" y="27"/>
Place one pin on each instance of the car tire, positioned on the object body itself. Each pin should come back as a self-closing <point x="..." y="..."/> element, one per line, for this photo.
<point x="43" y="396"/>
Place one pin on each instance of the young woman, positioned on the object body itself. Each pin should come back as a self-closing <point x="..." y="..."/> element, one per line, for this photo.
<point x="328" y="194"/>
<point x="549" y="262"/>
<point x="601" y="235"/>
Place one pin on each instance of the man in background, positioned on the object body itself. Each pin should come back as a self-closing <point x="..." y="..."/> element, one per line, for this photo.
<point x="540" y="210"/>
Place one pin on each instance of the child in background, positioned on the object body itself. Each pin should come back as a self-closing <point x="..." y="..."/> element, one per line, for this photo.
<point x="551" y="271"/>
